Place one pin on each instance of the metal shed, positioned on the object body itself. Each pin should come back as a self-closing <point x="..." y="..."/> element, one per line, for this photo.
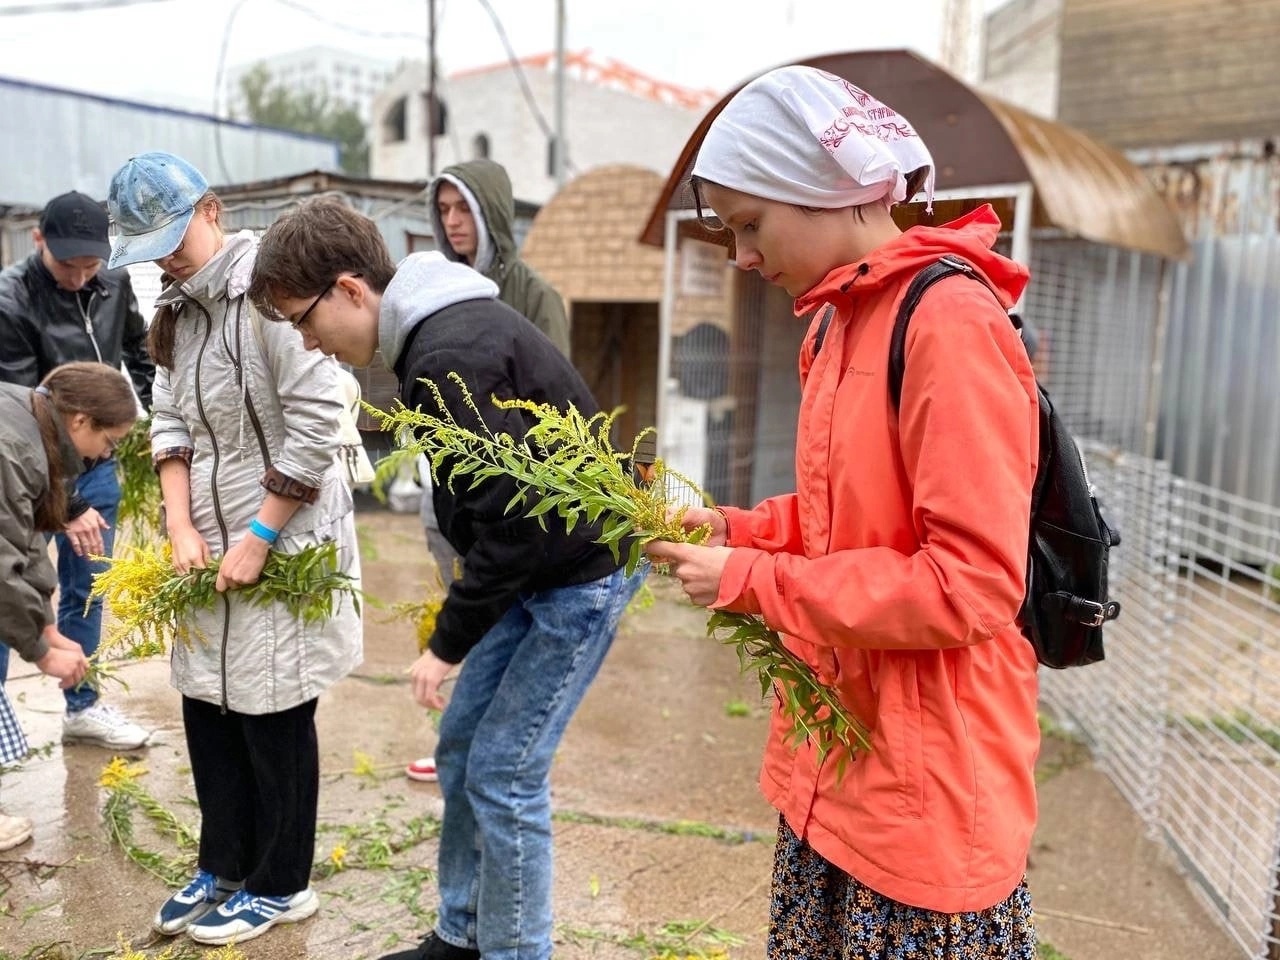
<point x="1046" y="181"/>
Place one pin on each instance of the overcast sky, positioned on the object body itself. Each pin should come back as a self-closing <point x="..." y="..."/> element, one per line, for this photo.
<point x="168" y="51"/>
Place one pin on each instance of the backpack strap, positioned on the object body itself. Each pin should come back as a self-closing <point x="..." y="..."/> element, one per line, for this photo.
<point x="926" y="278"/>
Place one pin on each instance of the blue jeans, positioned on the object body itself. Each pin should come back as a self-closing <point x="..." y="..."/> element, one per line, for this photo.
<point x="514" y="697"/>
<point x="101" y="488"/>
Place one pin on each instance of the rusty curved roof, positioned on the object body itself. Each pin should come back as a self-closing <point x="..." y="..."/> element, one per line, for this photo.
<point x="1081" y="186"/>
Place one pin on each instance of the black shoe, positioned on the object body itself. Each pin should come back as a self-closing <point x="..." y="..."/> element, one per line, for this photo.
<point x="433" y="948"/>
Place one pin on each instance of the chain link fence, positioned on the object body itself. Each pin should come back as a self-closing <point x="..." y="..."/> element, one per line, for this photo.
<point x="1184" y="714"/>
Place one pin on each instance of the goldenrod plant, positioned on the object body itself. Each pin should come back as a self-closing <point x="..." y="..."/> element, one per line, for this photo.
<point x="139" y="512"/>
<point x="125" y="795"/>
<point x="152" y="603"/>
<point x="566" y="465"/>
<point x="421" y="613"/>
<point x="171" y="951"/>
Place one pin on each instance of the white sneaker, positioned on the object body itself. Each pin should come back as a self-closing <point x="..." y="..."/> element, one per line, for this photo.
<point x="246" y="916"/>
<point x="14" y="831"/>
<point x="103" y="726"/>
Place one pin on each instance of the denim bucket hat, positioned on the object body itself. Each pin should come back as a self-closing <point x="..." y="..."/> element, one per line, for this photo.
<point x="151" y="201"/>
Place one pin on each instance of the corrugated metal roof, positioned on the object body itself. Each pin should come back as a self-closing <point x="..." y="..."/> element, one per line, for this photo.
<point x="1081" y="186"/>
<point x="79" y="140"/>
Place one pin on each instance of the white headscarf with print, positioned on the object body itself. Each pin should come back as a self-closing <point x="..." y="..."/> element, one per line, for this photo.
<point x="803" y="136"/>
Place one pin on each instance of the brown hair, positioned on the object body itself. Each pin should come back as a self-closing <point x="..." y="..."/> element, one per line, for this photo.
<point x="307" y="248"/>
<point x="96" y="390"/>
<point x="161" y="333"/>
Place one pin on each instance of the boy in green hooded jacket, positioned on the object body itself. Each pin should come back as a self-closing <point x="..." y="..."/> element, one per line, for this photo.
<point x="473" y="212"/>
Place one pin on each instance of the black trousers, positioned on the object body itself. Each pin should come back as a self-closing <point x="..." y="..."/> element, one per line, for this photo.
<point x="257" y="783"/>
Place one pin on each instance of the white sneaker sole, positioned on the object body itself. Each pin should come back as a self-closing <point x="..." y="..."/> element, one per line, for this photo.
<point x="176" y="927"/>
<point x="221" y="936"/>
<point x="16" y="841"/>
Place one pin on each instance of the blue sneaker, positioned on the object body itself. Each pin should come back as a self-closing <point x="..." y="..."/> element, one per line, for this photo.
<point x="247" y="915"/>
<point x="202" y="894"/>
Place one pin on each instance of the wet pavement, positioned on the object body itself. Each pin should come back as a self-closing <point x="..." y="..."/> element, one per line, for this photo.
<point x="662" y="838"/>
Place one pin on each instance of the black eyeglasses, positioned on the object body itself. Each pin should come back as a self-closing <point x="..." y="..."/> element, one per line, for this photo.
<point x="297" y="324"/>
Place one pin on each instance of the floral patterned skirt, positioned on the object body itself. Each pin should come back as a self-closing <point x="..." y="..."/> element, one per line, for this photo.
<point x="819" y="912"/>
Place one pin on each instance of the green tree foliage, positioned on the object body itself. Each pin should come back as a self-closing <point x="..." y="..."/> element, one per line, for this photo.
<point x="272" y="104"/>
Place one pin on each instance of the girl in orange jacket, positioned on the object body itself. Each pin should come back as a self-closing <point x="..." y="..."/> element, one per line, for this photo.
<point x="896" y="569"/>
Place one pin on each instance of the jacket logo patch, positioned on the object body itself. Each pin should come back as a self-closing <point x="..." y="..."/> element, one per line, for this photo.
<point x="854" y="371"/>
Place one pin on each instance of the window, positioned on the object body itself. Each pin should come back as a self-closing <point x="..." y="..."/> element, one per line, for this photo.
<point x="394" y="122"/>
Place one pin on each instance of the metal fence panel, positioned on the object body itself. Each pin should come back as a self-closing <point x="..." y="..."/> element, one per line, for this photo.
<point x="1184" y="714"/>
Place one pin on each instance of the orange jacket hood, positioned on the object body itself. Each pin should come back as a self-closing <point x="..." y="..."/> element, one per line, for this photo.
<point x="970" y="237"/>
<point x="896" y="571"/>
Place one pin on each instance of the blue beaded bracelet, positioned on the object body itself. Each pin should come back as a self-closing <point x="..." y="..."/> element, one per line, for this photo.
<point x="261" y="530"/>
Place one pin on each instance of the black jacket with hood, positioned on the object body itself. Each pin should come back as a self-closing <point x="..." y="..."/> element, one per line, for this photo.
<point x="487" y="189"/>
<point x="438" y="318"/>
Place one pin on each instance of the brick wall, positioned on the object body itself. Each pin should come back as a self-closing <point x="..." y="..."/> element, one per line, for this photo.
<point x="584" y="240"/>
<point x="1148" y="72"/>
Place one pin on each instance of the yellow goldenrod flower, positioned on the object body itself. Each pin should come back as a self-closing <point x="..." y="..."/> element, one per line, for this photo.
<point x="120" y="774"/>
<point x="229" y="952"/>
<point x="364" y="766"/>
<point x="338" y="857"/>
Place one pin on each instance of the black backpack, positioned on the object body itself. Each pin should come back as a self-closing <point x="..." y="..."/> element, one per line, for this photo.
<point x="1066" y="601"/>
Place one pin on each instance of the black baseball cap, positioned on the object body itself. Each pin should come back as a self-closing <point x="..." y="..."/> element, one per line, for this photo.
<point x="74" y="225"/>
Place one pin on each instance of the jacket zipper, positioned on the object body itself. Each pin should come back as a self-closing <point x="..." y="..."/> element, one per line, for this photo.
<point x="253" y="411"/>
<point x="88" y="323"/>
<point x="217" y="501"/>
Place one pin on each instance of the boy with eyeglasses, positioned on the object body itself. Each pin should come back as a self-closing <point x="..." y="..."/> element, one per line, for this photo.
<point x="533" y="613"/>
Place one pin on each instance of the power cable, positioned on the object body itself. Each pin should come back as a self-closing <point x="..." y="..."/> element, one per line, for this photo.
<point x="217" y="89"/>
<point x="226" y="37"/>
<point x="348" y="28"/>
<point x="518" y="68"/>
<point x="69" y="6"/>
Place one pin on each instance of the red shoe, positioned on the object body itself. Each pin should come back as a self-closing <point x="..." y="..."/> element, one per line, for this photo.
<point x="423" y="769"/>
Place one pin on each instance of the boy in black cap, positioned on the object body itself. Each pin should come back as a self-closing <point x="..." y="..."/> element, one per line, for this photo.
<point x="57" y="306"/>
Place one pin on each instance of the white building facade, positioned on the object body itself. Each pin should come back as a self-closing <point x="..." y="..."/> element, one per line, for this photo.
<point x="487" y="114"/>
<point x="346" y="79"/>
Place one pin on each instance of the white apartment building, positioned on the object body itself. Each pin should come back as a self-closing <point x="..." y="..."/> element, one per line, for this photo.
<point x="612" y="115"/>
<point x="347" y="78"/>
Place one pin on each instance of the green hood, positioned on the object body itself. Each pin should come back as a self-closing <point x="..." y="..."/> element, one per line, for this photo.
<point x="487" y="182"/>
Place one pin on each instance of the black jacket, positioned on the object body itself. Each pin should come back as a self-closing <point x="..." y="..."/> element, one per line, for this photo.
<point x="496" y="352"/>
<point x="43" y="326"/>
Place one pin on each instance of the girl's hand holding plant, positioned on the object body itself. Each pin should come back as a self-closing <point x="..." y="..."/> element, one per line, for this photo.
<point x="242" y="564"/>
<point x="699" y="568"/>
<point x="698" y="517"/>
<point x="189" y="548"/>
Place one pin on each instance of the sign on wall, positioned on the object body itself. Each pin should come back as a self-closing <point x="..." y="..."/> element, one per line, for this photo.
<point x="702" y="268"/>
